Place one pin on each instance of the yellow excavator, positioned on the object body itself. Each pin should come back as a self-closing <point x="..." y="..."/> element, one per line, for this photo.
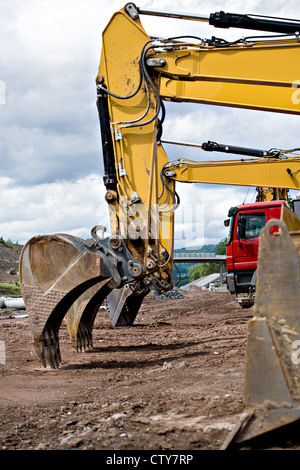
<point x="63" y="276"/>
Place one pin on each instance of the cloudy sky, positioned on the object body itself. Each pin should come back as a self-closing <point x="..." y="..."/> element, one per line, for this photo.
<point x="50" y="152"/>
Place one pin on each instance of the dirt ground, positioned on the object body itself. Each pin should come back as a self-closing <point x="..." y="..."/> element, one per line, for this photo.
<point x="173" y="381"/>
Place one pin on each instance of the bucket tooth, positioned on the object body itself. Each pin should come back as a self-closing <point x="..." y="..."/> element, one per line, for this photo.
<point x="272" y="373"/>
<point x="55" y="270"/>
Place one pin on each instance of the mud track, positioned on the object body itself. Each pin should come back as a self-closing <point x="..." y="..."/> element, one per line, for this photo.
<point x="172" y="381"/>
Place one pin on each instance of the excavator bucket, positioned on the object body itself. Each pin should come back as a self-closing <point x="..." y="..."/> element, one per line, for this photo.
<point x="272" y="372"/>
<point x="82" y="313"/>
<point x="63" y="276"/>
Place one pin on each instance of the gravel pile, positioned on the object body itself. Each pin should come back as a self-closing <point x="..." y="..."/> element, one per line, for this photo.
<point x="171" y="294"/>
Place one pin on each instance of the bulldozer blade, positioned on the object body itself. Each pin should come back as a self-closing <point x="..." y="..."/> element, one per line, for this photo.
<point x="55" y="272"/>
<point x="123" y="304"/>
<point x="272" y="373"/>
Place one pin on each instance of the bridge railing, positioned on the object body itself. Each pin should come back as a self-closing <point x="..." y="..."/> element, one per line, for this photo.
<point x="198" y="255"/>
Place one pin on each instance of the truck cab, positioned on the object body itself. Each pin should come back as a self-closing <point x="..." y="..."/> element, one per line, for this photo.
<point x="245" y="224"/>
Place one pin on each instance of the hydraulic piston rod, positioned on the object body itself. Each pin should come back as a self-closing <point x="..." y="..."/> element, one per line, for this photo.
<point x="178" y="15"/>
<point x="226" y="20"/>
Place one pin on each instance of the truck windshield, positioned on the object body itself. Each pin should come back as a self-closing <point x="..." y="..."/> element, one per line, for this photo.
<point x="230" y="229"/>
<point x="250" y="225"/>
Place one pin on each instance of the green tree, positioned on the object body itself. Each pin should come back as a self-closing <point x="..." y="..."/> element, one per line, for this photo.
<point x="204" y="269"/>
<point x="221" y="247"/>
<point x="290" y="202"/>
<point x="201" y="270"/>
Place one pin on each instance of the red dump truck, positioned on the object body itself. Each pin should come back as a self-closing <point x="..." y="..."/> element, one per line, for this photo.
<point x="245" y="224"/>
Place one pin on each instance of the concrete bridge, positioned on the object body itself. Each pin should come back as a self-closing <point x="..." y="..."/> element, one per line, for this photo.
<point x="191" y="257"/>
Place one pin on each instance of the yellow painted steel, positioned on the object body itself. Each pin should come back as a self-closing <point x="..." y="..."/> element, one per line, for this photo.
<point x="134" y="150"/>
<point x="266" y="172"/>
<point x="137" y="159"/>
<point x="291" y="221"/>
<point x="257" y="76"/>
<point x="271" y="194"/>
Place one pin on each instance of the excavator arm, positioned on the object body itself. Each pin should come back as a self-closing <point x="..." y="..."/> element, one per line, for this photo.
<point x="269" y="171"/>
<point x="136" y="75"/>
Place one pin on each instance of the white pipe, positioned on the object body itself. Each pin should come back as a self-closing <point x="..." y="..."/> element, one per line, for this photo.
<point x="14" y="303"/>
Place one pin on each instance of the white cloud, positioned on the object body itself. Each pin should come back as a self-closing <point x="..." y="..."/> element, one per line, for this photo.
<point x="202" y="222"/>
<point x="246" y="128"/>
<point x="50" y="151"/>
<point x="62" y="207"/>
